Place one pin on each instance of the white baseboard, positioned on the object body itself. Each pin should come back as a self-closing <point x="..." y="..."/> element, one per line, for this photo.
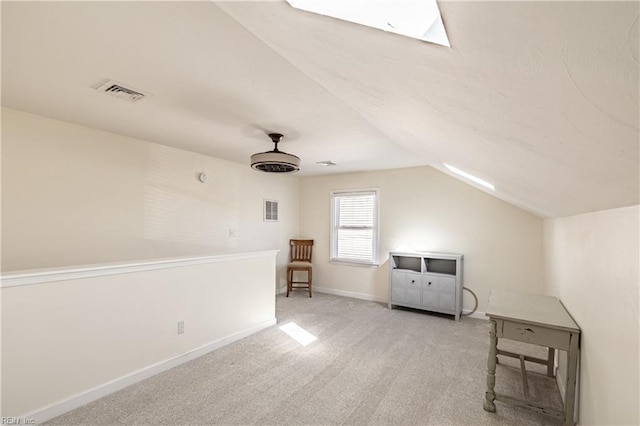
<point x="476" y="314"/>
<point x="370" y="297"/>
<point x="344" y="293"/>
<point x="351" y="294"/>
<point x="60" y="407"/>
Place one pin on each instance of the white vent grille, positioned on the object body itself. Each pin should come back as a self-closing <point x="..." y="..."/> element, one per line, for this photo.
<point x="270" y="210"/>
<point x="120" y="91"/>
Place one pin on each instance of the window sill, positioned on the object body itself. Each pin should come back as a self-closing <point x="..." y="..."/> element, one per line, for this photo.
<point x="353" y="263"/>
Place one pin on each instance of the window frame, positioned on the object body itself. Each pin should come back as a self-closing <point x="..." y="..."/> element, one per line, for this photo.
<point x="333" y="246"/>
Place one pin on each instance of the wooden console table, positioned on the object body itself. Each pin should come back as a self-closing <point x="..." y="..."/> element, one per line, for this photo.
<point x="539" y="320"/>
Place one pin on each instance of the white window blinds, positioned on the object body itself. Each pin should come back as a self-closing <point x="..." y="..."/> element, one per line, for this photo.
<point x="354" y="226"/>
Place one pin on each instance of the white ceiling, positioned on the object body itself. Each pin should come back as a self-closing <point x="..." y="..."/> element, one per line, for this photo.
<point x="538" y="98"/>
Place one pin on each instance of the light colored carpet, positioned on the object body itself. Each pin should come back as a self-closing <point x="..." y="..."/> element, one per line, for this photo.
<point x="369" y="366"/>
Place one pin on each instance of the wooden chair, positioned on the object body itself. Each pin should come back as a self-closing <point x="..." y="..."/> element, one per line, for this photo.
<point x="300" y="260"/>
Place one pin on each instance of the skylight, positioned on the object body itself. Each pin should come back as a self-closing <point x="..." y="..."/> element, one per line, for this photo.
<point x="418" y="19"/>
<point x="470" y="177"/>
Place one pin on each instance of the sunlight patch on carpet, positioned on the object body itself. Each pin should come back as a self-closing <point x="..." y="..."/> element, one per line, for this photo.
<point x="298" y="333"/>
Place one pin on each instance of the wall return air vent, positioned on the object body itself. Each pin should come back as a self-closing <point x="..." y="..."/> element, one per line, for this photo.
<point x="270" y="210"/>
<point x="120" y="91"/>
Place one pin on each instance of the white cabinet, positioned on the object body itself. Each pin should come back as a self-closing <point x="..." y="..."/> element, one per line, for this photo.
<point x="429" y="281"/>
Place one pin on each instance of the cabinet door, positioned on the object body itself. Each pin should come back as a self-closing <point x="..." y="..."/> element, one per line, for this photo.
<point x="405" y="287"/>
<point x="438" y="292"/>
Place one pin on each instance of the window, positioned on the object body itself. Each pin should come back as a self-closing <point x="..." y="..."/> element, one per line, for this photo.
<point x="354" y="226"/>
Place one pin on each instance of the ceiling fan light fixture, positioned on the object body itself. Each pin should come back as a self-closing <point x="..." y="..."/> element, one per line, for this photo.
<point x="275" y="161"/>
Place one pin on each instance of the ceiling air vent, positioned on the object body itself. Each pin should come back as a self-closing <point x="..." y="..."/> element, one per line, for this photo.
<point x="119" y="90"/>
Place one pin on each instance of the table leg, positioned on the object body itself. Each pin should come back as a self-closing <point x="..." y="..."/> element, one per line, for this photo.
<point x="490" y="395"/>
<point x="550" y="361"/>
<point x="570" y="384"/>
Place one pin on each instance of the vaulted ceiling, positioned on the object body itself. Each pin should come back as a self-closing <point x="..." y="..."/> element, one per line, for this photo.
<point x="538" y="98"/>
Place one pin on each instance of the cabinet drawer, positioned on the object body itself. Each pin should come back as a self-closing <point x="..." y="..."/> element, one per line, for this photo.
<point x="405" y="287"/>
<point x="439" y="284"/>
<point x="406" y="278"/>
<point x="438" y="301"/>
<point x="534" y="334"/>
<point x="439" y="293"/>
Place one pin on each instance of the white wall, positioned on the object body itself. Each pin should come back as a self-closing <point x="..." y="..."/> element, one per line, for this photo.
<point x="64" y="338"/>
<point x="428" y="211"/>
<point x="591" y="264"/>
<point x="74" y="195"/>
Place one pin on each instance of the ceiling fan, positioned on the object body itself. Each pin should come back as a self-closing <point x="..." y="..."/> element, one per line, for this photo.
<point x="275" y="161"/>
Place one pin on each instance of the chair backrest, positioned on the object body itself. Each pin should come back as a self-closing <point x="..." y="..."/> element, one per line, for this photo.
<point x="301" y="250"/>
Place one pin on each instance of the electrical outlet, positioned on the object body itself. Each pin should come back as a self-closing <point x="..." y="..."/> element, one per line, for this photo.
<point x="180" y="327"/>
<point x="232" y="232"/>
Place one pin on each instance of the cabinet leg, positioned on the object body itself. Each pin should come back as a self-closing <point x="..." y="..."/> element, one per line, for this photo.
<point x="490" y="395"/>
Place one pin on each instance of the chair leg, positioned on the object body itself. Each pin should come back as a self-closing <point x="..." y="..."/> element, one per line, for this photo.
<point x="289" y="274"/>
<point x="309" y="276"/>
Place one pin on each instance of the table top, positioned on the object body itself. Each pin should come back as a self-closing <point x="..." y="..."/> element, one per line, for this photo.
<point x="546" y="311"/>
